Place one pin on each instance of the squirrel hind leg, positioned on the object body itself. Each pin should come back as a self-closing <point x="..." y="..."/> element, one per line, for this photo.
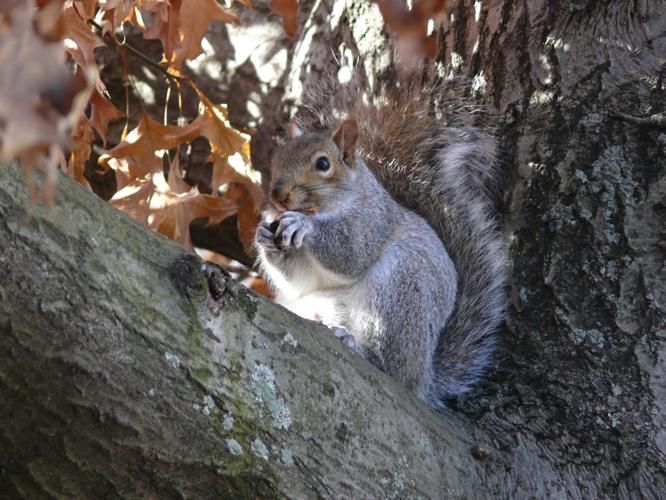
<point x="342" y="334"/>
<point x="348" y="339"/>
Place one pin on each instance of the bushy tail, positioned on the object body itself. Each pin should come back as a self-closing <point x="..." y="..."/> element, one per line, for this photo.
<point x="433" y="161"/>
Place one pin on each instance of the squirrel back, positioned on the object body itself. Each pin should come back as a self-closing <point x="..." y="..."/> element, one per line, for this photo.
<point x="446" y="171"/>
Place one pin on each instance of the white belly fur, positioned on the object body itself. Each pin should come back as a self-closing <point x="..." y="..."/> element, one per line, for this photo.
<point x="312" y="292"/>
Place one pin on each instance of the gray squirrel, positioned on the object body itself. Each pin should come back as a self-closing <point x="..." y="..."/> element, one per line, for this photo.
<point x="382" y="227"/>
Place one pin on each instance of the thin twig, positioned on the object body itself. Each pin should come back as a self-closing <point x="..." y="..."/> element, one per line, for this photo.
<point x="166" y="104"/>
<point x="126" y="84"/>
<point x="142" y="56"/>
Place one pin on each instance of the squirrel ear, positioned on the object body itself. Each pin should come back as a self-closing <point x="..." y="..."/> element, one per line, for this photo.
<point x="345" y="138"/>
<point x="293" y="131"/>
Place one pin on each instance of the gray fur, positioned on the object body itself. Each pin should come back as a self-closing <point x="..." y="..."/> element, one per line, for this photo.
<point x="393" y="285"/>
<point x="426" y="314"/>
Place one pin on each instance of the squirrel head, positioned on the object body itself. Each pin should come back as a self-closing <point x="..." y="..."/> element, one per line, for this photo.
<point x="309" y="169"/>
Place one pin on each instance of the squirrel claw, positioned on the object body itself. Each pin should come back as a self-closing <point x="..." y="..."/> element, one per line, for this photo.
<point x="293" y="228"/>
<point x="265" y="237"/>
<point x="343" y="334"/>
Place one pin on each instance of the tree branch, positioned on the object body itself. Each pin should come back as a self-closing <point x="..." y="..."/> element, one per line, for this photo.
<point x="143" y="57"/>
<point x="129" y="366"/>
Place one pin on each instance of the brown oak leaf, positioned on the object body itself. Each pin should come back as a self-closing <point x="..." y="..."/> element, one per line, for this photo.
<point x="195" y="16"/>
<point x="35" y="112"/>
<point x="411" y="25"/>
<point x="174" y="205"/>
<point x="166" y="21"/>
<point x="223" y="138"/>
<point x="118" y="11"/>
<point x="143" y="144"/>
<point x="102" y="111"/>
<point x="134" y="198"/>
<point x="81" y="148"/>
<point x="81" y="41"/>
<point x="288" y="9"/>
<point x="246" y="215"/>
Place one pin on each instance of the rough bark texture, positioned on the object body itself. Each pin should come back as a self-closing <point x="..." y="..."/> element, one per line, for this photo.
<point x="582" y="386"/>
<point x="577" y="405"/>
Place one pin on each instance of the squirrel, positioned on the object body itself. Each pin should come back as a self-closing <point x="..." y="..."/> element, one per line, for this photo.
<point x="382" y="227"/>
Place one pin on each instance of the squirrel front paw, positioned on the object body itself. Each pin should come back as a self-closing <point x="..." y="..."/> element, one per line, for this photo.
<point x="266" y="235"/>
<point x="292" y="230"/>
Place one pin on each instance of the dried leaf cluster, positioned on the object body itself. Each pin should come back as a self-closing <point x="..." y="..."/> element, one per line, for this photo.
<point x="55" y="108"/>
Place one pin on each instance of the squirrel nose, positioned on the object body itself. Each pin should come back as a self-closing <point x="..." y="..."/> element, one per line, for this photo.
<point x="280" y="194"/>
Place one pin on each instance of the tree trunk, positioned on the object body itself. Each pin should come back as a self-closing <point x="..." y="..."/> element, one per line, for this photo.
<point x="123" y="363"/>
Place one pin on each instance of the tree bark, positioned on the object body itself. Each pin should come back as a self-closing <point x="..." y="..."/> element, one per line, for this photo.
<point x="91" y="304"/>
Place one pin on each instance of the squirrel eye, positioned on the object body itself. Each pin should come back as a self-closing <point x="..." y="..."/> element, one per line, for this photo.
<point x="322" y="164"/>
